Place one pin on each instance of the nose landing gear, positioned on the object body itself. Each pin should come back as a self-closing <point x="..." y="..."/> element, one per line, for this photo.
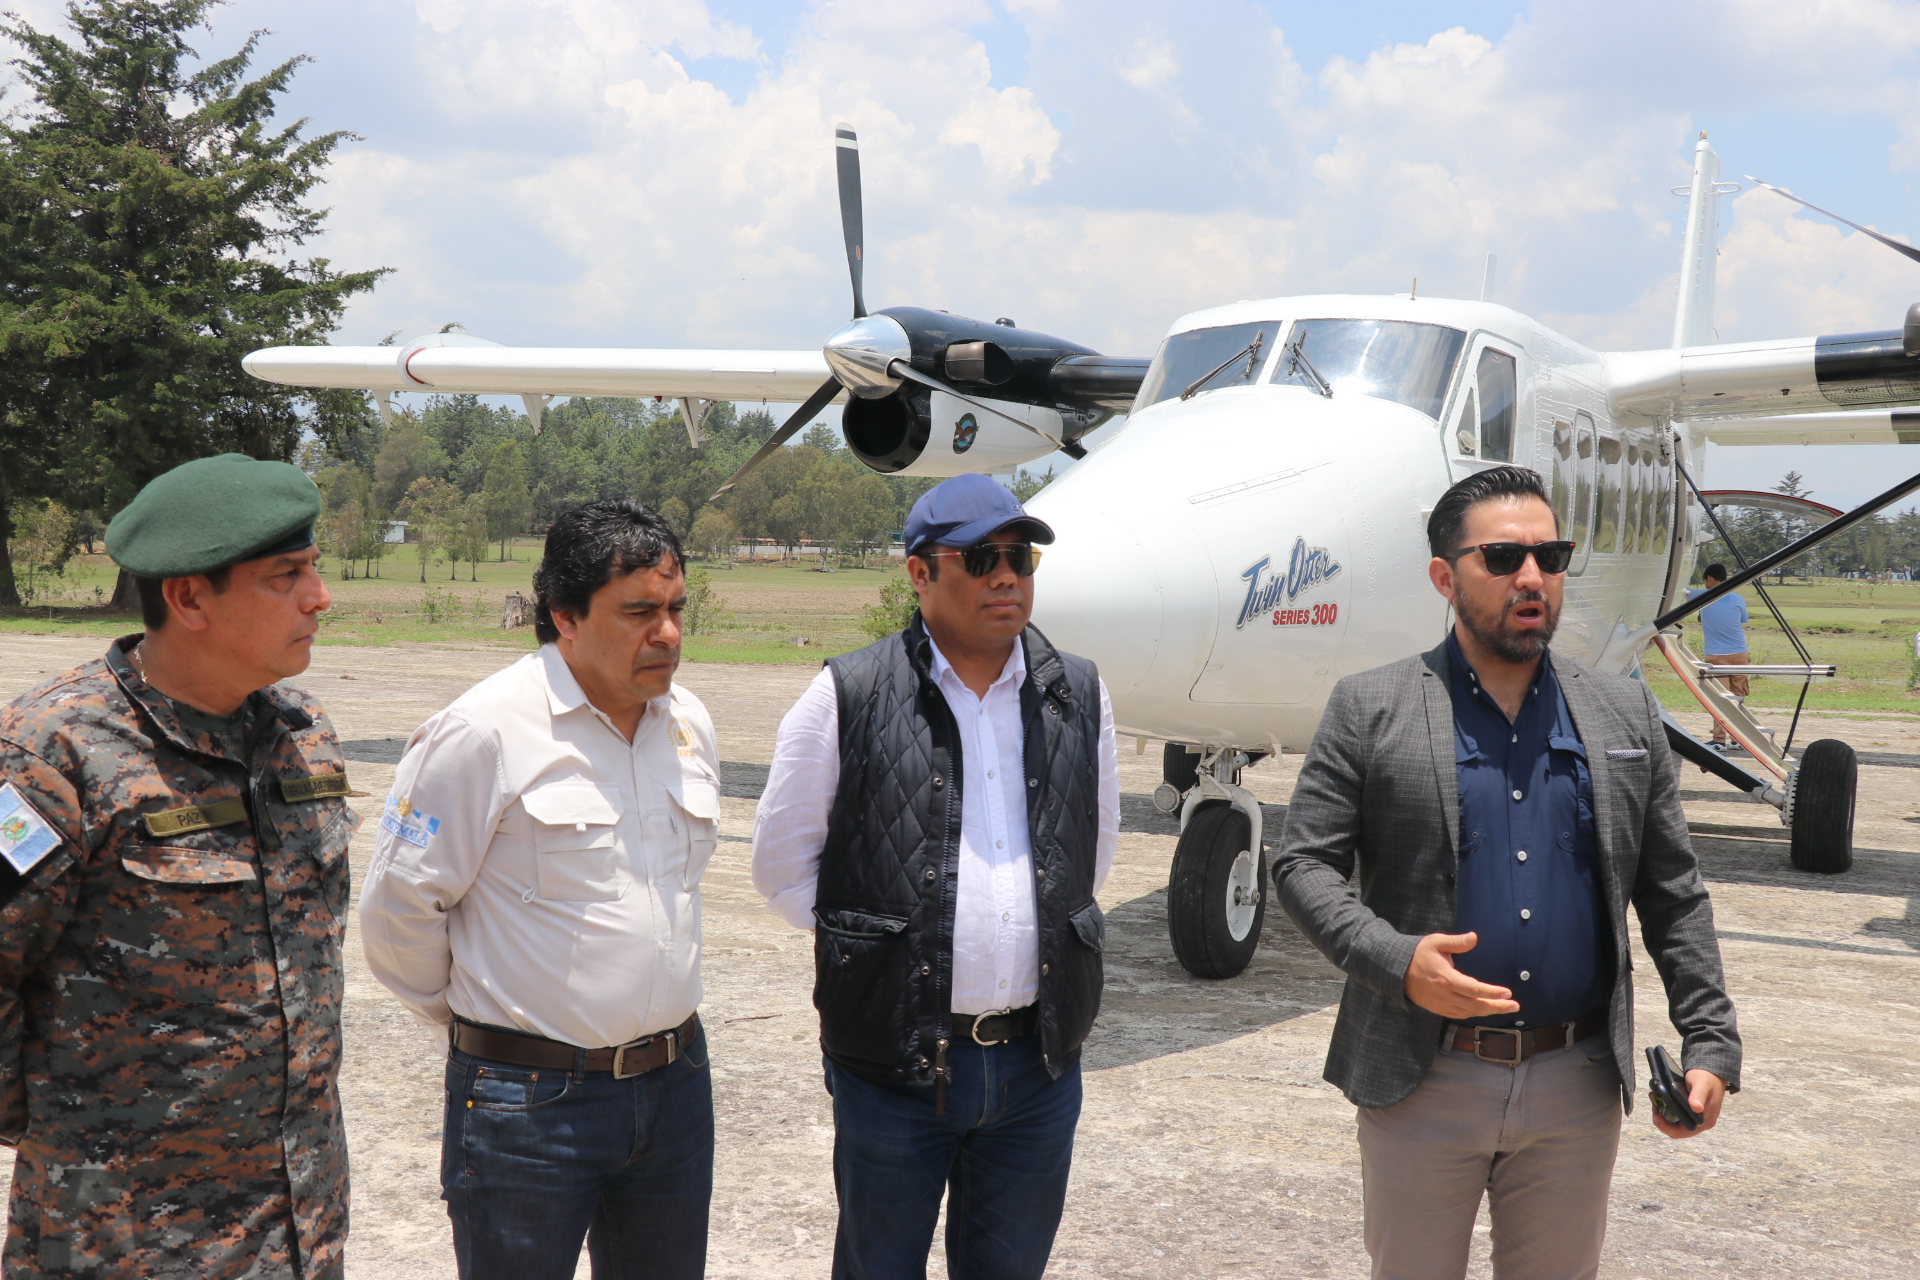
<point x="1216" y="898"/>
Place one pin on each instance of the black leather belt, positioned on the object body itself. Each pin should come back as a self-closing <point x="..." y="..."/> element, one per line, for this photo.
<point x="625" y="1061"/>
<point x="1510" y="1046"/>
<point x="998" y="1027"/>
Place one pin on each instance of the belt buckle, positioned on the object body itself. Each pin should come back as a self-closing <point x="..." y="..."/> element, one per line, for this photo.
<point x="974" y="1031"/>
<point x="1514" y="1061"/>
<point x="620" y="1053"/>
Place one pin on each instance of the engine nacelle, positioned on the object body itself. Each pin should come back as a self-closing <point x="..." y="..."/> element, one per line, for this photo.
<point x="922" y="432"/>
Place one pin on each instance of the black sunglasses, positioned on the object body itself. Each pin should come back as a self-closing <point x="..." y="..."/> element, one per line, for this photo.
<point x="1503" y="558"/>
<point x="981" y="558"/>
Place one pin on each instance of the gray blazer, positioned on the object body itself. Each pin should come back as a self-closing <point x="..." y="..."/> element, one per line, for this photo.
<point x="1367" y="867"/>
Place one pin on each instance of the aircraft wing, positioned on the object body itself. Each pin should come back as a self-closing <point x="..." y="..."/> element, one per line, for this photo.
<point x="452" y="365"/>
<point x="1737" y="380"/>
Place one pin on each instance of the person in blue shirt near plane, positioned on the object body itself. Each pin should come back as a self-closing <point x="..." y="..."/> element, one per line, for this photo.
<point x="1723" y="625"/>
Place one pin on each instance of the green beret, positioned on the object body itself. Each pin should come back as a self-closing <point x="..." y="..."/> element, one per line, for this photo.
<point x="213" y="512"/>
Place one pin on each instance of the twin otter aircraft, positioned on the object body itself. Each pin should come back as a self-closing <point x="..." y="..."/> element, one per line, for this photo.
<point x="1224" y="589"/>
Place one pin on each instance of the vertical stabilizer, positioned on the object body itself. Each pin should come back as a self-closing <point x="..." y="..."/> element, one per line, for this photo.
<point x="1693" y="319"/>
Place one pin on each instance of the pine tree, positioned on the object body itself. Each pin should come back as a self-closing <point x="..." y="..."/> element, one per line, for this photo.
<point x="148" y="213"/>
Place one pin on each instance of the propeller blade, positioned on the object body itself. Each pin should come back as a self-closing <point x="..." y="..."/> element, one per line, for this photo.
<point x="852" y="221"/>
<point x="1895" y="245"/>
<point x="901" y="369"/>
<point x="814" y="404"/>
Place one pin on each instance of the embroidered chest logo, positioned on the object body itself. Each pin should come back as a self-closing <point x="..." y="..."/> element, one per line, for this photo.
<point x="404" y="822"/>
<point x="682" y="738"/>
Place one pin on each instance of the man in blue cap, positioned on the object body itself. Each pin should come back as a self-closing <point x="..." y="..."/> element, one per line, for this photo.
<point x="942" y="808"/>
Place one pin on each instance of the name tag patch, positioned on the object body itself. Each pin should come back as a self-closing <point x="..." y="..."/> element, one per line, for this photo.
<point x="26" y="838"/>
<point x="317" y="786"/>
<point x="1626" y="753"/>
<point x="404" y="822"/>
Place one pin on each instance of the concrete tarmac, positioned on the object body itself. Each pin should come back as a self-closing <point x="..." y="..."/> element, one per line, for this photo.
<point x="1209" y="1146"/>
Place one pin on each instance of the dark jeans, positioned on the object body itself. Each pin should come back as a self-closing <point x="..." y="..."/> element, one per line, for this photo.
<point x="1001" y="1153"/>
<point x="534" y="1160"/>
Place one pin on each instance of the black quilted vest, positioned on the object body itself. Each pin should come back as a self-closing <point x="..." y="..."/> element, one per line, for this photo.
<point x="883" y="952"/>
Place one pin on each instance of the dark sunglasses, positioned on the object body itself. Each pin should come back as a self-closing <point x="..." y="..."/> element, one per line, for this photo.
<point x="1503" y="558"/>
<point x="981" y="558"/>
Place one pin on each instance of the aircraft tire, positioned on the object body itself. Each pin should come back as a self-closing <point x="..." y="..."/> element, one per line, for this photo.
<point x="1823" y="796"/>
<point x="1210" y="865"/>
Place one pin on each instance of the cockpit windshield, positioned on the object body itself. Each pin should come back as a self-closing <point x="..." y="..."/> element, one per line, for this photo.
<point x="1396" y="360"/>
<point x="1187" y="358"/>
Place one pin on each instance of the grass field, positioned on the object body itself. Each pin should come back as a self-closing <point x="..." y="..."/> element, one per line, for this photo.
<point x="1867" y="629"/>
<point x="770" y="606"/>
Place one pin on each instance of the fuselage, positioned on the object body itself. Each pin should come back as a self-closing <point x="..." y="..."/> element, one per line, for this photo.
<point x="1227" y="556"/>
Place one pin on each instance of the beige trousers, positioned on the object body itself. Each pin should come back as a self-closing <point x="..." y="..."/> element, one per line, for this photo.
<point x="1738" y="686"/>
<point x="1539" y="1139"/>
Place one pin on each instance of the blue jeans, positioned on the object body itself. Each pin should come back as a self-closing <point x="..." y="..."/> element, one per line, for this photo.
<point x="1001" y="1154"/>
<point x="534" y="1160"/>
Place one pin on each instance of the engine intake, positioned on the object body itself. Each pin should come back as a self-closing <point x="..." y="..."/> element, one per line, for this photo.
<point x="984" y="363"/>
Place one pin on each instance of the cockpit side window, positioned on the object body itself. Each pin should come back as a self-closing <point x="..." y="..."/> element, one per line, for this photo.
<point x="1187" y="358"/>
<point x="1495" y="375"/>
<point x="1397" y="360"/>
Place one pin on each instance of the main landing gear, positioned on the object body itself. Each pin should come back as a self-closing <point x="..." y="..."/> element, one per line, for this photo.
<point x="1216" y="899"/>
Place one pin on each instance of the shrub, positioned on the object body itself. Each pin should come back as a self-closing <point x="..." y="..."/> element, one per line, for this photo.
<point x="895" y="610"/>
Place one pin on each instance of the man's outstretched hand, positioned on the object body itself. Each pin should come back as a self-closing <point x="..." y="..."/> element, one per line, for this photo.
<point x="1436" y="986"/>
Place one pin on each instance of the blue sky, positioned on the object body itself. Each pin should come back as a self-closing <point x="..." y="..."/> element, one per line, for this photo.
<point x="657" y="172"/>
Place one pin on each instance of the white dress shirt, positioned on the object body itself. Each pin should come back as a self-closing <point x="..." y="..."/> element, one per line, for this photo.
<point x="535" y="870"/>
<point x="995" y="934"/>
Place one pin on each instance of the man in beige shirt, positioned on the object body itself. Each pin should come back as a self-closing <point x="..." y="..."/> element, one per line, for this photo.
<point x="536" y="888"/>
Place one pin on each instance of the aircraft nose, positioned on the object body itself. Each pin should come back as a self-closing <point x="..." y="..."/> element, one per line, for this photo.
<point x="1098" y="586"/>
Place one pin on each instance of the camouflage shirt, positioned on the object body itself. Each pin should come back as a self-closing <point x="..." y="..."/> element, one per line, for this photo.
<point x="170" y="984"/>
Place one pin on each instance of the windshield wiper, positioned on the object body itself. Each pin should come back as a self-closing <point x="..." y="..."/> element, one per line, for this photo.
<point x="1297" y="362"/>
<point x="1251" y="351"/>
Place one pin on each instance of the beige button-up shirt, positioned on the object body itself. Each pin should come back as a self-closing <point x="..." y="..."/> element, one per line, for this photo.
<point x="536" y="871"/>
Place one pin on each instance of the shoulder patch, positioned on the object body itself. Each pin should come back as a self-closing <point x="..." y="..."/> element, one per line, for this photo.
<point x="404" y="822"/>
<point x="26" y="838"/>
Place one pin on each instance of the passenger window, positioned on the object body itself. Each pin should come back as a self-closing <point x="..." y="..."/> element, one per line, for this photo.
<point x="1632" y="508"/>
<point x="1606" y="502"/>
<point x="1467" y="436"/>
<point x="1495" y="375"/>
<point x="1582" y="525"/>
<point x="1563" y="473"/>
<point x="1662" y="498"/>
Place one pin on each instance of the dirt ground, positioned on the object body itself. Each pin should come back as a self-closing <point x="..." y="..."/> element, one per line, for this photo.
<point x="1209" y="1145"/>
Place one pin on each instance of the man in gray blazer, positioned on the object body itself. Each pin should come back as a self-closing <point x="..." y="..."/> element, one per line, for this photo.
<point x="1468" y="829"/>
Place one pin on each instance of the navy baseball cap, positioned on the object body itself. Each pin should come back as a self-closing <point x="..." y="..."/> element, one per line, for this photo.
<point x="968" y="509"/>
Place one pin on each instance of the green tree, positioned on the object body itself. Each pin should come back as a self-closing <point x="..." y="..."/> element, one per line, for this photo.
<point x="713" y="535"/>
<point x="44" y="534"/>
<point x="508" y="499"/>
<point x="1026" y="484"/>
<point x="408" y="454"/>
<point x="149" y="214"/>
<point x="427" y="509"/>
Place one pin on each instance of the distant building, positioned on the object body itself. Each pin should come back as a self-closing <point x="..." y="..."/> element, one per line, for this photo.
<point x="396" y="531"/>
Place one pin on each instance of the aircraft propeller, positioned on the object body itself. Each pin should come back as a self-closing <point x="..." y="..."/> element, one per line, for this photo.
<point x="873" y="356"/>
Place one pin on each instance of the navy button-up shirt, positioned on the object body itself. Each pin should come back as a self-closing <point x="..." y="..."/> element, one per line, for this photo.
<point x="1529" y="864"/>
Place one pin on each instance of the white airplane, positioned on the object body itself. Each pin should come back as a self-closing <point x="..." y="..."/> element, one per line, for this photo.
<point x="1256" y="528"/>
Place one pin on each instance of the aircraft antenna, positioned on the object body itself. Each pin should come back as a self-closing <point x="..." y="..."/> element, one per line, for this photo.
<point x="1486" y="281"/>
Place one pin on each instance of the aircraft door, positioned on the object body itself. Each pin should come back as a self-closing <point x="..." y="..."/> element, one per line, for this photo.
<point x="1491" y="406"/>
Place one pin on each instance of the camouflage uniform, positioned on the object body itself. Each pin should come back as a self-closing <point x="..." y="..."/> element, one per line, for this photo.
<point x="170" y="991"/>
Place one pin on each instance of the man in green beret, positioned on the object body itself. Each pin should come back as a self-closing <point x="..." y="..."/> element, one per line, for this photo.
<point x="173" y="888"/>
